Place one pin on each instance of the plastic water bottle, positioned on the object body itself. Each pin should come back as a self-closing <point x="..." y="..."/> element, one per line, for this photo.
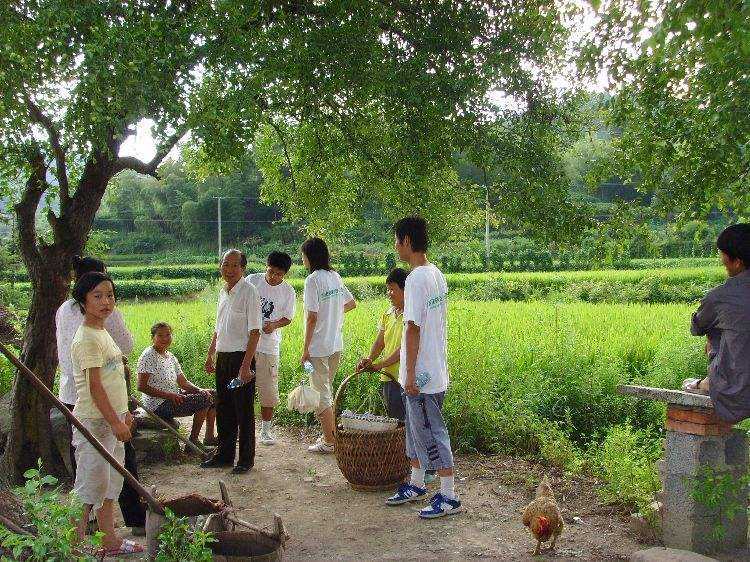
<point x="236" y="382"/>
<point x="422" y="379"/>
<point x="308" y="367"/>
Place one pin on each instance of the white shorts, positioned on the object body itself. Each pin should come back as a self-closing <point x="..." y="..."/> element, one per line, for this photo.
<point x="321" y="379"/>
<point x="96" y="480"/>
<point x="267" y="379"/>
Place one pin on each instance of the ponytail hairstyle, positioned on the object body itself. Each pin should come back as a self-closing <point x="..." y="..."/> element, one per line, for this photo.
<point x="82" y="266"/>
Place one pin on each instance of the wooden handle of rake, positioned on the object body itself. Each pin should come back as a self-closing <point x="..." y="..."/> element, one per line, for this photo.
<point x="44" y="391"/>
<point x="169" y="427"/>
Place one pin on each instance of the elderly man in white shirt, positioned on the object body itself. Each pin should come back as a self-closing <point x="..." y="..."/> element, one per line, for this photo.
<point x="238" y="325"/>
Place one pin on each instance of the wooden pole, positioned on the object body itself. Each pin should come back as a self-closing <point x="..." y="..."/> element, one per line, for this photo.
<point x="195" y="447"/>
<point x="44" y="391"/>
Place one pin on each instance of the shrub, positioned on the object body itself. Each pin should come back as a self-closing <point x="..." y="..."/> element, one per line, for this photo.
<point x="626" y="461"/>
<point x="56" y="539"/>
<point x="178" y="541"/>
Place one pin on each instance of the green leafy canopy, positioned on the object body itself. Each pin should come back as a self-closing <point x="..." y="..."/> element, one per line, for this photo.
<point x="345" y="100"/>
<point x="680" y="73"/>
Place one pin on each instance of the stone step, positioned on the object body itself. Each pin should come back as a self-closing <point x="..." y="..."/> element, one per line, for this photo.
<point x="153" y="445"/>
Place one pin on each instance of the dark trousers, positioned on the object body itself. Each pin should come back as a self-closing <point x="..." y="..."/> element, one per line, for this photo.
<point x="394" y="403"/>
<point x="133" y="510"/>
<point x="234" y="411"/>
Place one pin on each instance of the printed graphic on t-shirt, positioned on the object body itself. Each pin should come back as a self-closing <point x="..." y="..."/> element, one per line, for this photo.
<point x="329" y="294"/>
<point x="436" y="301"/>
<point x="113" y="364"/>
<point x="267" y="307"/>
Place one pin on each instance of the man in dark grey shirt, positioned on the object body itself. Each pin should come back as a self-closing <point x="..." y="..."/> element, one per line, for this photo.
<point x="724" y="318"/>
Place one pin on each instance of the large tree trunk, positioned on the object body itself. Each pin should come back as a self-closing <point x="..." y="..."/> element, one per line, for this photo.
<point x="30" y="436"/>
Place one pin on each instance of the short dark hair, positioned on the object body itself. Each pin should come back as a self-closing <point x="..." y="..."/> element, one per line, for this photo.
<point x="243" y="257"/>
<point x="734" y="241"/>
<point x="84" y="265"/>
<point x="317" y="254"/>
<point x="86" y="284"/>
<point x="416" y="229"/>
<point x="158" y="326"/>
<point x="397" y="276"/>
<point x="281" y="260"/>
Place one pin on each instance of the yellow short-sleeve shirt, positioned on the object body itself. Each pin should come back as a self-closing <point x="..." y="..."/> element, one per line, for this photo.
<point x="392" y="325"/>
<point x="91" y="348"/>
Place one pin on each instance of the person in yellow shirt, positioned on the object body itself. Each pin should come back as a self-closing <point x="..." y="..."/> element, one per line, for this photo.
<point x="387" y="345"/>
<point x="102" y="407"/>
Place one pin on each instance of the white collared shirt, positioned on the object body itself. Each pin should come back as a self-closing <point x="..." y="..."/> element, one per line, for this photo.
<point x="237" y="314"/>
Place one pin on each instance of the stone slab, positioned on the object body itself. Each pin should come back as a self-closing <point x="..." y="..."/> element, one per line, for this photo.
<point x="61" y="435"/>
<point x="659" y="554"/>
<point x="144" y="421"/>
<point x="677" y="397"/>
<point x="154" y="446"/>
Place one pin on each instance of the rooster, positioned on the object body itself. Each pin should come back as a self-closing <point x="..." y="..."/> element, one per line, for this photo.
<point x="542" y="516"/>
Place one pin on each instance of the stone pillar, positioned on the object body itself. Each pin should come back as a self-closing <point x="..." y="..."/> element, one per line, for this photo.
<point x="698" y="444"/>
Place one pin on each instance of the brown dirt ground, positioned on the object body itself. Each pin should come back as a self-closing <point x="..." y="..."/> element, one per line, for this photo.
<point x="327" y="520"/>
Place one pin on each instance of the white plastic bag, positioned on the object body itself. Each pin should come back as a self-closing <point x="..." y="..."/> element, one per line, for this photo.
<point x="304" y="399"/>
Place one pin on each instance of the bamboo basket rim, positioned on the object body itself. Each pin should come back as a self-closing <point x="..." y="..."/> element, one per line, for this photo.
<point x="340" y="394"/>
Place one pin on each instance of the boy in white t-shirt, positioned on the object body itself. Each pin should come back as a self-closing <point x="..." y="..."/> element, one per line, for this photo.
<point x="277" y="299"/>
<point x="423" y="373"/>
<point x="326" y="300"/>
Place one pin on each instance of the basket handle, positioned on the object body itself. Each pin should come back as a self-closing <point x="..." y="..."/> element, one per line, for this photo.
<point x="342" y="388"/>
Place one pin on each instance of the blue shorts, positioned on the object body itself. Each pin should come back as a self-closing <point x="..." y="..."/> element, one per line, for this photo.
<point x="426" y="435"/>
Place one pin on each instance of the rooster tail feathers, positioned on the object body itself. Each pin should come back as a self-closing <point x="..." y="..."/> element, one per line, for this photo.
<point x="544" y="489"/>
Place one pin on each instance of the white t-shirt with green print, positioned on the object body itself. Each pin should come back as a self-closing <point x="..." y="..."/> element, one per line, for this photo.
<point x="326" y="295"/>
<point x="426" y="305"/>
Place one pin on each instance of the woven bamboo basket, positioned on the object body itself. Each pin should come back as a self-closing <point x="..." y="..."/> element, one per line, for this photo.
<point x="370" y="461"/>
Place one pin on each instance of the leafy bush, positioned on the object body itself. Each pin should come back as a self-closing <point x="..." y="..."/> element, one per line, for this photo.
<point x="6" y="376"/>
<point x="625" y="460"/>
<point x="179" y="542"/>
<point x="56" y="539"/>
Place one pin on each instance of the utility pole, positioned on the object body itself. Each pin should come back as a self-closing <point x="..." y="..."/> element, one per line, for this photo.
<point x="486" y="222"/>
<point x="218" y="221"/>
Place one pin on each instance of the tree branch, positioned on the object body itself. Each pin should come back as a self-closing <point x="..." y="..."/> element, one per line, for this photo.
<point x="286" y="152"/>
<point x="149" y="168"/>
<point x="37" y="116"/>
<point x="26" y="208"/>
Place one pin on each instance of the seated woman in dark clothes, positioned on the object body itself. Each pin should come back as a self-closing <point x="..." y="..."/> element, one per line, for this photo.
<point x="166" y="390"/>
<point x="724" y="318"/>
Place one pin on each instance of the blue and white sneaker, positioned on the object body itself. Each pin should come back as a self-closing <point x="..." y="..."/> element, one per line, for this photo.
<point x="406" y="493"/>
<point x="440" y="506"/>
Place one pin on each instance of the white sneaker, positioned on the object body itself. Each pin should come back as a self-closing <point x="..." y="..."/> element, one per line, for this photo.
<point x="266" y="438"/>
<point x="321" y="447"/>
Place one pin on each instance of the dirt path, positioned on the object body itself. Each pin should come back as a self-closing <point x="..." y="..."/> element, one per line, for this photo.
<point x="329" y="521"/>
